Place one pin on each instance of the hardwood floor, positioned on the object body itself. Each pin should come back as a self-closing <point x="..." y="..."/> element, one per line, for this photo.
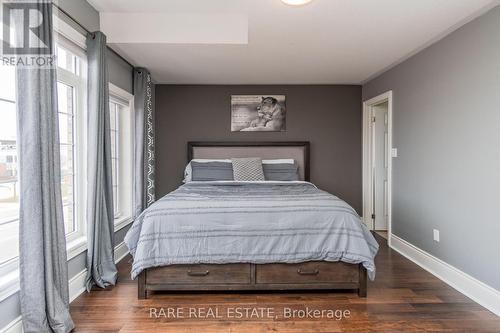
<point x="403" y="298"/>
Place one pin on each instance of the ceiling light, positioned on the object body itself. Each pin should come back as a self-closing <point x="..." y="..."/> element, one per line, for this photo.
<point x="296" y="2"/>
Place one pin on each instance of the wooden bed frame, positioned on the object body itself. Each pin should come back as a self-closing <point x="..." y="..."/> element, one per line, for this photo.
<point x="311" y="275"/>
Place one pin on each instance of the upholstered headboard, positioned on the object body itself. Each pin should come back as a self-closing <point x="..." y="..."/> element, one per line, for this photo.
<point x="299" y="151"/>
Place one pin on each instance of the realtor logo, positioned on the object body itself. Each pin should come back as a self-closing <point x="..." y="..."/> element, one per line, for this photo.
<point x="22" y="34"/>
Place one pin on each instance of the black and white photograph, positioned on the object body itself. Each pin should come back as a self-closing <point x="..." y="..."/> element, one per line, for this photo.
<point x="250" y="113"/>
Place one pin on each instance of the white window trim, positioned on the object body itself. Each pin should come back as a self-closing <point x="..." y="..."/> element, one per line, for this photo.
<point x="70" y="33"/>
<point x="9" y="272"/>
<point x="122" y="222"/>
<point x="124" y="96"/>
<point x="9" y="278"/>
<point x="122" y="93"/>
<point x="77" y="242"/>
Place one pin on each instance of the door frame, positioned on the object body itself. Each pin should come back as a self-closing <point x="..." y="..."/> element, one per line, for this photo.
<point x="368" y="160"/>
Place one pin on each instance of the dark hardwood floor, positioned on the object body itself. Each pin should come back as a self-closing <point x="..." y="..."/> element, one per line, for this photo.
<point x="403" y="298"/>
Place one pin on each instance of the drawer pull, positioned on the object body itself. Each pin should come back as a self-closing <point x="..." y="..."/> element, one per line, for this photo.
<point x="191" y="273"/>
<point x="314" y="272"/>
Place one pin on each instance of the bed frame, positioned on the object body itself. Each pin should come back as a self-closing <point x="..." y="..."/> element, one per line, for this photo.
<point x="311" y="275"/>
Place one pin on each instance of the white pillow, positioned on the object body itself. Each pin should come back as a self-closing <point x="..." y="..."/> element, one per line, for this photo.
<point x="279" y="161"/>
<point x="188" y="171"/>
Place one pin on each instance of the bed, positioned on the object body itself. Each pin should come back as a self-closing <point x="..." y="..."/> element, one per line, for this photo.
<point x="271" y="235"/>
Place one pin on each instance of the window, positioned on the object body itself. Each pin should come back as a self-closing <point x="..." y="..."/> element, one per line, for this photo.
<point x="9" y="181"/>
<point x="71" y="87"/>
<point x="71" y="95"/>
<point x="121" y="132"/>
<point x="115" y="110"/>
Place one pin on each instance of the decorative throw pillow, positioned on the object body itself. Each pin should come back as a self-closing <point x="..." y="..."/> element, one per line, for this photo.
<point x="211" y="171"/>
<point x="188" y="171"/>
<point x="281" y="171"/>
<point x="247" y="169"/>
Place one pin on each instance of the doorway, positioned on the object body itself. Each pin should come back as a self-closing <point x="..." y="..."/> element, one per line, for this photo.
<point x="377" y="164"/>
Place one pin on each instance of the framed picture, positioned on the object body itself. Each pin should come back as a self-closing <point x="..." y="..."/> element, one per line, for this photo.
<point x="251" y="113"/>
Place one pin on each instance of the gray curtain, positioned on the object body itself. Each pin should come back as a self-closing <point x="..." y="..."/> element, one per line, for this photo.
<point x="101" y="268"/>
<point x="144" y="156"/>
<point x="42" y="243"/>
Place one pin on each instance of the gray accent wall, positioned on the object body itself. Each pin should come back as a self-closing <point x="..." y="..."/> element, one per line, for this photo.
<point x="329" y="116"/>
<point x="447" y="131"/>
<point x="120" y="74"/>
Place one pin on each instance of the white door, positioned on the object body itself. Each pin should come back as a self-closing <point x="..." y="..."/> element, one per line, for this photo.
<point x="380" y="167"/>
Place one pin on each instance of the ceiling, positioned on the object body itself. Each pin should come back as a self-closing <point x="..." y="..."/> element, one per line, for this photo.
<point x="267" y="42"/>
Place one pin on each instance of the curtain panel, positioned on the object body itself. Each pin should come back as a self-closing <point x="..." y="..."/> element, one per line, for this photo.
<point x="101" y="268"/>
<point x="42" y="244"/>
<point x="144" y="154"/>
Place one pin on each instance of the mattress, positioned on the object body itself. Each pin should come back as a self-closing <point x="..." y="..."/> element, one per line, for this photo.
<point x="249" y="222"/>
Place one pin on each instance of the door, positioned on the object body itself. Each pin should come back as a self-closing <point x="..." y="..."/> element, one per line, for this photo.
<point x="380" y="166"/>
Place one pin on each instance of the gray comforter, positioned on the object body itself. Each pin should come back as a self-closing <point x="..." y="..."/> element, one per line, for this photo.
<point x="230" y="222"/>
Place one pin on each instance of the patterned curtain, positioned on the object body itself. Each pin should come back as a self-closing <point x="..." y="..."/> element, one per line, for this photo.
<point x="144" y="165"/>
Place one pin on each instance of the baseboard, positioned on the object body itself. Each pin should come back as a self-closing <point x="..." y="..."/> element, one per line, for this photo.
<point x="471" y="287"/>
<point x="77" y="285"/>
<point x="121" y="251"/>
<point x="15" y="326"/>
<point x="77" y="282"/>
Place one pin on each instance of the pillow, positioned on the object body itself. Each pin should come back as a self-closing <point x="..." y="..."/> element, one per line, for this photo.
<point x="281" y="171"/>
<point x="188" y="170"/>
<point x="279" y="161"/>
<point x="211" y="171"/>
<point x="247" y="169"/>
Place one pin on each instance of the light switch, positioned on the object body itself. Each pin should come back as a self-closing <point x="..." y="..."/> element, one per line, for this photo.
<point x="394" y="152"/>
<point x="436" y="235"/>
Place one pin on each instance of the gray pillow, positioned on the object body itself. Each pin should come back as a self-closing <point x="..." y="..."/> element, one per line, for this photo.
<point x="281" y="171"/>
<point x="248" y="169"/>
<point x="211" y="171"/>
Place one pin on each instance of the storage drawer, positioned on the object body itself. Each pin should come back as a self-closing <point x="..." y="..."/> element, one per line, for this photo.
<point x="201" y="273"/>
<point x="307" y="272"/>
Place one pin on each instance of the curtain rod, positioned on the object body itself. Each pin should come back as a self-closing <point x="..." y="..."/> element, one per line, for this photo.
<point x="89" y="32"/>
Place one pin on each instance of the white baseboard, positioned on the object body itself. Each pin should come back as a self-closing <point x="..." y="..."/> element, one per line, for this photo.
<point x="76" y="288"/>
<point x="471" y="287"/>
<point x="121" y="251"/>
<point x="77" y="282"/>
<point x="77" y="285"/>
<point x="15" y="326"/>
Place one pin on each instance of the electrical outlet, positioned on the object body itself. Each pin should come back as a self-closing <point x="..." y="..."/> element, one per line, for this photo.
<point x="436" y="235"/>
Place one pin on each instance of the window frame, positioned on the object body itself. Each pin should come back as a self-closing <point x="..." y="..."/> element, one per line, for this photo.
<point x="8" y="262"/>
<point x="76" y="42"/>
<point x="9" y="271"/>
<point x="76" y="241"/>
<point x="126" y="130"/>
<point x="116" y="135"/>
